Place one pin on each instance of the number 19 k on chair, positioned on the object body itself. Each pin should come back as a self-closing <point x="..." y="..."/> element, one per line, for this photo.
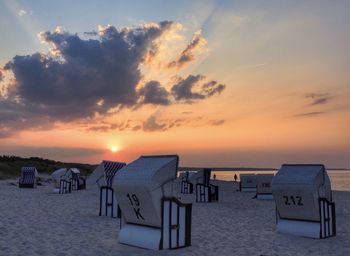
<point x="152" y="217"/>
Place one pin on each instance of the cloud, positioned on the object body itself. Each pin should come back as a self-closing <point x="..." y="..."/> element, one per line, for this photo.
<point x="22" y="12"/>
<point x="1" y="76"/>
<point x="154" y="93"/>
<point x="151" y="125"/>
<point x="184" y="89"/>
<point x="187" y="55"/>
<point x="104" y="126"/>
<point x="320" y="101"/>
<point x="136" y="128"/>
<point x="91" y="33"/>
<point x="80" y="79"/>
<point x="217" y="122"/>
<point x="5" y="132"/>
<point x="318" y="98"/>
<point x="67" y="84"/>
<point x="310" y="114"/>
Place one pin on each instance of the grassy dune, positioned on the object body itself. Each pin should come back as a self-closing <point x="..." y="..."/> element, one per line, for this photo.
<point x="10" y="166"/>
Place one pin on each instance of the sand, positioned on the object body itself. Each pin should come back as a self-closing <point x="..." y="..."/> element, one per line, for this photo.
<point x="37" y="222"/>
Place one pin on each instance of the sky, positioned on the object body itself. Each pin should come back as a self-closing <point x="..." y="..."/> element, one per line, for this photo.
<point x="220" y="83"/>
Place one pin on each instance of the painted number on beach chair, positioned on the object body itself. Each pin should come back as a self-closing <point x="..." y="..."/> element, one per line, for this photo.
<point x="135" y="203"/>
<point x="133" y="198"/>
<point x="291" y="200"/>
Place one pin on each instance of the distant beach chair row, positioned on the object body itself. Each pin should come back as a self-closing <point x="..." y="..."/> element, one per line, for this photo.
<point x="205" y="192"/>
<point x="258" y="183"/>
<point x="67" y="180"/>
<point x="303" y="197"/>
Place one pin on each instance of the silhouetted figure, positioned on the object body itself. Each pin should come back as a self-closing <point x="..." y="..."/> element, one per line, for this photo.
<point x="235" y="177"/>
<point x="214" y="176"/>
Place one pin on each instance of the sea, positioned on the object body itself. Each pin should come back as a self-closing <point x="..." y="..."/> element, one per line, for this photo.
<point x="340" y="179"/>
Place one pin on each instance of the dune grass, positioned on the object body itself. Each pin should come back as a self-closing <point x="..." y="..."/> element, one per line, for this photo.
<point x="10" y="166"/>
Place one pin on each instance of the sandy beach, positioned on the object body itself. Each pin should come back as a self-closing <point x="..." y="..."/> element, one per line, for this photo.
<point x="37" y="222"/>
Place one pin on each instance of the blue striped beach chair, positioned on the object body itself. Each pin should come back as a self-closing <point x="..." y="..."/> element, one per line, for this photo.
<point x="28" y="177"/>
<point x="108" y="203"/>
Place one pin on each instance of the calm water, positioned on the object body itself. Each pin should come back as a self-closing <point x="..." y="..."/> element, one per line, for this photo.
<point x="340" y="179"/>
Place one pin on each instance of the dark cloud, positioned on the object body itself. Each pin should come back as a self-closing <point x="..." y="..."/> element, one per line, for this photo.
<point x="187" y="55"/>
<point x="318" y="98"/>
<point x="211" y="88"/>
<point x="316" y="95"/>
<point x="154" y="93"/>
<point x="152" y="124"/>
<point x="310" y="114"/>
<point x="82" y="78"/>
<point x="184" y="89"/>
<point x="91" y="33"/>
<point x="136" y="127"/>
<point x="320" y="101"/>
<point x="85" y="72"/>
<point x="100" y="128"/>
<point x="106" y="126"/>
<point x="217" y="122"/>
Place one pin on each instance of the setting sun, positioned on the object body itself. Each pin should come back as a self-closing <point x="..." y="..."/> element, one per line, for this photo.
<point x="114" y="149"/>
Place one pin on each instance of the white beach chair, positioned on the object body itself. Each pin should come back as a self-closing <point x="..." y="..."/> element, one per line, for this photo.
<point x="303" y="199"/>
<point x="247" y="183"/>
<point x="61" y="185"/>
<point x="186" y="186"/>
<point x="108" y="203"/>
<point x="67" y="180"/>
<point x="28" y="177"/>
<point x="263" y="186"/>
<point x="205" y="192"/>
<point x="152" y="217"/>
<point x="77" y="182"/>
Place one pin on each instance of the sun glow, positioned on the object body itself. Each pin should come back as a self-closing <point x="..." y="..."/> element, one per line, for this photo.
<point x="114" y="149"/>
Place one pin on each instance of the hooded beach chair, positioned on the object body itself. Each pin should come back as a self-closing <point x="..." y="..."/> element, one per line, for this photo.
<point x="303" y="199"/>
<point x="108" y="203"/>
<point x="67" y="180"/>
<point x="77" y="182"/>
<point x="28" y="177"/>
<point x="205" y="192"/>
<point x="62" y="182"/>
<point x="152" y="217"/>
<point x="186" y="186"/>
<point x="263" y="186"/>
<point x="247" y="183"/>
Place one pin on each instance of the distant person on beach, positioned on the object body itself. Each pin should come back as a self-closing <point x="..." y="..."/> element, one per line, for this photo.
<point x="235" y="177"/>
<point x="214" y="176"/>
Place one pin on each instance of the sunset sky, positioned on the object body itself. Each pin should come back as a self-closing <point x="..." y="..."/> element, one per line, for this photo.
<point x="221" y="83"/>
